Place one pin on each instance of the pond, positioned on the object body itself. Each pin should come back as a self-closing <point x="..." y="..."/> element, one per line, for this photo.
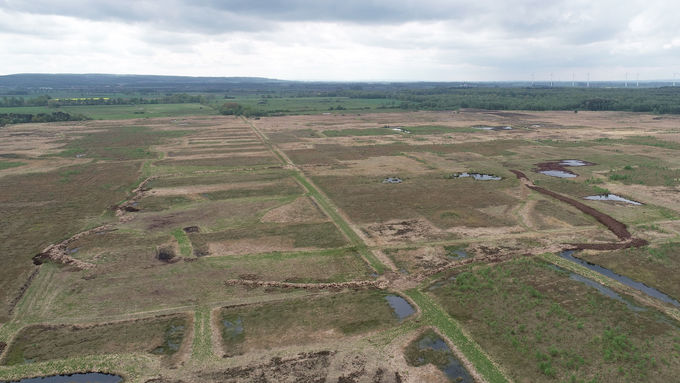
<point x="574" y="163"/>
<point x="431" y="348"/>
<point x="402" y="309"/>
<point x="611" y="197"/>
<point x="455" y="253"/>
<point x="558" y="173"/>
<point x="477" y="176"/>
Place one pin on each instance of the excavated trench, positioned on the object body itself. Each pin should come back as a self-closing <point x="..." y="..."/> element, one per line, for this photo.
<point x="618" y="228"/>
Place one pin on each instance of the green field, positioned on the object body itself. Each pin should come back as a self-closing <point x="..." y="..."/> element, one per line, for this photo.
<point x="121" y="112"/>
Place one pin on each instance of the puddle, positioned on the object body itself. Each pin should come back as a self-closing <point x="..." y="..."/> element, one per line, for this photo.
<point x="456" y="254"/>
<point x="173" y="340"/>
<point x="620" y="278"/>
<point x="402" y="309"/>
<point x="558" y="168"/>
<point x="397" y="129"/>
<point x="611" y="197"/>
<point x="404" y="271"/>
<point x="574" y="163"/>
<point x="558" y="173"/>
<point x="90" y="377"/>
<point x="80" y="155"/>
<point x="477" y="176"/>
<point x="392" y="180"/>
<point x="433" y="349"/>
<point x="74" y="250"/>
<point x="496" y="128"/>
<point x="233" y="328"/>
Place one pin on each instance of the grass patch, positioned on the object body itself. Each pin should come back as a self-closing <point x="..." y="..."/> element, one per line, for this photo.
<point x="119" y="143"/>
<point x="304" y="320"/>
<point x="183" y="242"/>
<point x="318" y="235"/>
<point x="10" y="164"/>
<point x="541" y="325"/>
<point x="656" y="265"/>
<point x="40" y="343"/>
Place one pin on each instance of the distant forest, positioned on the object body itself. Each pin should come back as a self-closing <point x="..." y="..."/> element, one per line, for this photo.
<point x="226" y="94"/>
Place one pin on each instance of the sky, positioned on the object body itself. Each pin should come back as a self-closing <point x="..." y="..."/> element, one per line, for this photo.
<point x="348" y="40"/>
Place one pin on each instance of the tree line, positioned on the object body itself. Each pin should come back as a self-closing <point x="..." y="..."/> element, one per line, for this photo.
<point x="20" y="118"/>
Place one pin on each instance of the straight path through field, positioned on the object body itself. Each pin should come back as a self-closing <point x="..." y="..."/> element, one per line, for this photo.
<point x="325" y="203"/>
<point x="435" y="315"/>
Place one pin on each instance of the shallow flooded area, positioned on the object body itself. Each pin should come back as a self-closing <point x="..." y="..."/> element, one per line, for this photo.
<point x="558" y="173"/>
<point x="611" y="197"/>
<point x="477" y="176"/>
<point x="90" y="377"/>
<point x="620" y="278"/>
<point x="496" y="128"/>
<point x="559" y="168"/>
<point x="604" y="290"/>
<point x="455" y="253"/>
<point x="431" y="348"/>
<point x="402" y="309"/>
<point x="173" y="340"/>
<point x="392" y="180"/>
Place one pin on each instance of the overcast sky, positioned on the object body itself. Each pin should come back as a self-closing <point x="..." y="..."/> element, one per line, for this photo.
<point x="381" y="40"/>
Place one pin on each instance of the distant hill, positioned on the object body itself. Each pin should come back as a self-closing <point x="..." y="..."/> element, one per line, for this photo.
<point x="128" y="82"/>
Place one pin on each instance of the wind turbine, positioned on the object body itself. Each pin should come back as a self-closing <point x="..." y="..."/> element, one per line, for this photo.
<point x="588" y="82"/>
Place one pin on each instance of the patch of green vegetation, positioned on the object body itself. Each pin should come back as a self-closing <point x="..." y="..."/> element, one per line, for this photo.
<point x="120" y="112"/>
<point x="319" y="235"/>
<point x="160" y="203"/>
<point x="183" y="241"/>
<point x="75" y="195"/>
<point x="439" y="129"/>
<point x="641" y="140"/>
<point x="10" y="164"/>
<point x="39" y="343"/>
<point x="649" y="174"/>
<point x="119" y="143"/>
<point x="277" y="189"/>
<point x="202" y="346"/>
<point x="546" y="326"/>
<point x="359" y="132"/>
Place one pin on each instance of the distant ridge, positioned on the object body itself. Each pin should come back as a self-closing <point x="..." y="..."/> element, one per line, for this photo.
<point x="127" y="81"/>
